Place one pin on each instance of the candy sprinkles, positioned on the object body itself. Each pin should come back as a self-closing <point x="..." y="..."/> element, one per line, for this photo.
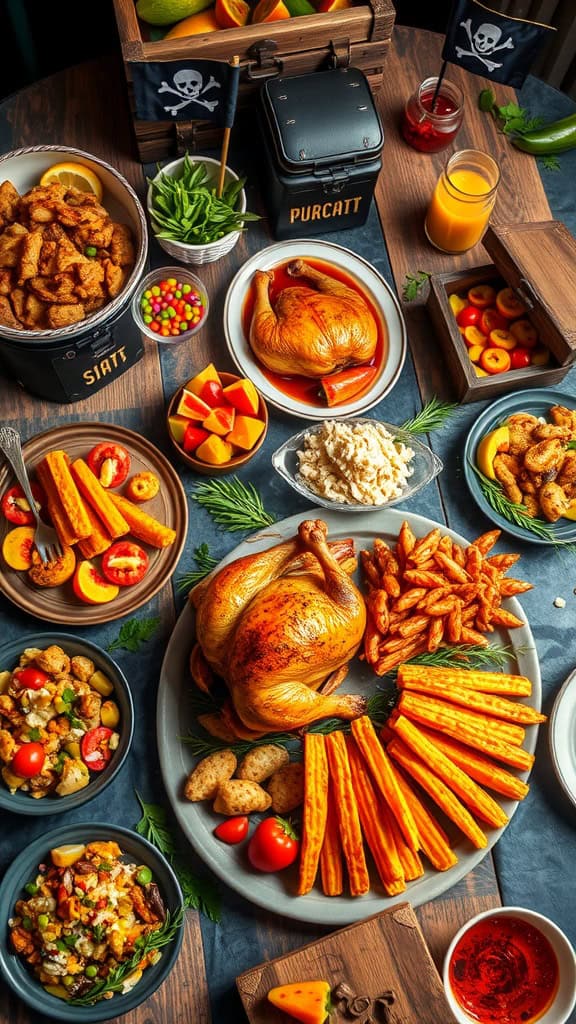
<point x="170" y="307"/>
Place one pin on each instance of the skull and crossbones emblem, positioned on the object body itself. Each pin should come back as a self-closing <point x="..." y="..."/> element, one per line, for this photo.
<point x="189" y="88"/>
<point x="484" y="42"/>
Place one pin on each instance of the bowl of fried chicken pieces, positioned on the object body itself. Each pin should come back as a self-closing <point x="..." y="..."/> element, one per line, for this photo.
<point x="73" y="243"/>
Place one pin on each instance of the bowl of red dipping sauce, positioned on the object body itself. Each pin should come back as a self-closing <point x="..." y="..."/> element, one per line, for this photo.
<point x="510" y="965"/>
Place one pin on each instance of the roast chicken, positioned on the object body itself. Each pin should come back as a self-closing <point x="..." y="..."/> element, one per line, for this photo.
<point x="275" y="626"/>
<point x="315" y="328"/>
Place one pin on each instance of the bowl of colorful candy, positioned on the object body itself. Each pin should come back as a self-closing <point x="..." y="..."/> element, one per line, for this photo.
<point x="170" y="305"/>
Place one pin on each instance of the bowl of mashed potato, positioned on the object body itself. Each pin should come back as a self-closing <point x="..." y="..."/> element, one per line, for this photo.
<point x="356" y="465"/>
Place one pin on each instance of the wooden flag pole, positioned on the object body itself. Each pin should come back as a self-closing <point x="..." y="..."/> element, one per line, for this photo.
<point x="225" y="144"/>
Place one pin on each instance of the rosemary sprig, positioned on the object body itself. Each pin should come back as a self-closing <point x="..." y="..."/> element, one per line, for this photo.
<point x="205" y="563"/>
<point x="516" y="514"/>
<point x="468" y="656"/>
<point x="118" y="976"/>
<point x="233" y="504"/>
<point x="433" y="415"/>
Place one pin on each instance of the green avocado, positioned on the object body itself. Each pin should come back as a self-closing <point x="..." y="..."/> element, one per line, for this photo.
<point x="167" y="12"/>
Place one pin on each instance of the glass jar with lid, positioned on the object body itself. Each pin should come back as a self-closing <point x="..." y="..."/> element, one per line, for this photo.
<point x="430" y="124"/>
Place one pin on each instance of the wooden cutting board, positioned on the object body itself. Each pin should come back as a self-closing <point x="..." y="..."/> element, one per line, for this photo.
<point x="380" y="971"/>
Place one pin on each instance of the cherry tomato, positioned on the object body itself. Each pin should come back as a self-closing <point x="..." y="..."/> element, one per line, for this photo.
<point x="469" y="316"/>
<point x="28" y="760"/>
<point x="31" y="678"/>
<point x="15" y="507"/>
<point x="520" y="357"/>
<point x="125" y="563"/>
<point x="110" y="463"/>
<point x="193" y="437"/>
<point x="95" y="748"/>
<point x="232" y="830"/>
<point x="273" y="845"/>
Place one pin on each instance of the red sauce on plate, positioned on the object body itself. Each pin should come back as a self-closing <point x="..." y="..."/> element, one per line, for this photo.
<point x="305" y="389"/>
<point x="504" y="971"/>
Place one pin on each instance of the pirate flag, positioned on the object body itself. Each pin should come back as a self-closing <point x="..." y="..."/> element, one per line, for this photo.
<point x="491" y="44"/>
<point x="186" y="90"/>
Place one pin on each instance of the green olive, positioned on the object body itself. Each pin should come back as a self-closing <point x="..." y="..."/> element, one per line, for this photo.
<point x="43" y="921"/>
<point x="91" y="971"/>
<point x="144" y="876"/>
<point x="31" y="888"/>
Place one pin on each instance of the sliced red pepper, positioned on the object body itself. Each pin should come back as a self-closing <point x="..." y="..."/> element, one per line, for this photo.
<point x="340" y="387"/>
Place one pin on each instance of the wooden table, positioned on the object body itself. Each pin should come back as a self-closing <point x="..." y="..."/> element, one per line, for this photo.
<point x="86" y="107"/>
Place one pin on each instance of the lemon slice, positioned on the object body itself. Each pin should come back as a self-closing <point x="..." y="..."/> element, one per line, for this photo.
<point x="76" y="175"/>
<point x="64" y="856"/>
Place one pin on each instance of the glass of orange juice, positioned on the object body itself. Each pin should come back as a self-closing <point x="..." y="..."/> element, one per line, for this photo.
<point x="462" y="201"/>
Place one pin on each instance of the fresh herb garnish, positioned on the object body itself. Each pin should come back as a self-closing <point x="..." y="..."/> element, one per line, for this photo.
<point x="516" y="514"/>
<point x="199" y="894"/>
<point x="68" y="695"/>
<point x="233" y="504"/>
<point x="98" y="931"/>
<point x="146" y="944"/>
<point x="187" y="209"/>
<point x="510" y="118"/>
<point x="434" y="414"/>
<point x="550" y="162"/>
<point x="413" y="284"/>
<point x="205" y="563"/>
<point x="133" y="633"/>
<point x="34" y="734"/>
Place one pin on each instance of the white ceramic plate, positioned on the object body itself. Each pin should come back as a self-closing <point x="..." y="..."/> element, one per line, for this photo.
<point x="176" y="720"/>
<point x="562" y="737"/>
<point x="378" y="291"/>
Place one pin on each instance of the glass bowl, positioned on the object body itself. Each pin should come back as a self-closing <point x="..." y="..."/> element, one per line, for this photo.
<point x="564" y="998"/>
<point x="425" y="466"/>
<point x="191" y="286"/>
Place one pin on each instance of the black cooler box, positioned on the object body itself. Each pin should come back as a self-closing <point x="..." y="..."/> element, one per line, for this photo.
<point x="322" y="141"/>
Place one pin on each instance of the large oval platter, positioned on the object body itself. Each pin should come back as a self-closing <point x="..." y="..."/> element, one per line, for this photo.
<point x="175" y="720"/>
<point x="59" y="604"/>
<point x="376" y="289"/>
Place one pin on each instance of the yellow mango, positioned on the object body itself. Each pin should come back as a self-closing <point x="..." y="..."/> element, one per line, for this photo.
<point x="101" y="683"/>
<point x="245" y="432"/>
<point x="109" y="714"/>
<point x="214" y="450"/>
<point x="195" y="384"/>
<point x="497" y="440"/>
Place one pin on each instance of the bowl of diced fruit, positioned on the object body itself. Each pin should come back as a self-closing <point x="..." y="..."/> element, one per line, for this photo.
<point x="217" y="421"/>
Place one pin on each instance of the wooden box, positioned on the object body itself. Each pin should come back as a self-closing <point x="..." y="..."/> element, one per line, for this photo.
<point x="379" y="970"/>
<point x="538" y="260"/>
<point x="358" y="36"/>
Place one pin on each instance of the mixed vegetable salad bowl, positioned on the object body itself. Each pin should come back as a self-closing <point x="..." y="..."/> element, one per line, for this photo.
<point x="66" y="723"/>
<point x="92" y="915"/>
<point x="189" y="221"/>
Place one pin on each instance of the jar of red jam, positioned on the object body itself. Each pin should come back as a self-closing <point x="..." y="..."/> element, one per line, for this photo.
<point x="430" y="130"/>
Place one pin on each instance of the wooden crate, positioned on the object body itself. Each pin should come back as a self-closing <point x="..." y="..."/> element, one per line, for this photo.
<point x="357" y="37"/>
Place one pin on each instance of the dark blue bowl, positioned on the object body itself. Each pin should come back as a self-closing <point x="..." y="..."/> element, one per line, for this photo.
<point x="536" y="401"/>
<point x="25" y="865"/>
<point x="23" y="803"/>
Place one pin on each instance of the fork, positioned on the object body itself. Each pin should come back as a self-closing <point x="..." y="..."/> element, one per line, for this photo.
<point x="46" y="539"/>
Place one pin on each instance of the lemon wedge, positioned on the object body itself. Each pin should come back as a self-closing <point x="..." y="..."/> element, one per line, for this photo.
<point x="64" y="856"/>
<point x="75" y="175"/>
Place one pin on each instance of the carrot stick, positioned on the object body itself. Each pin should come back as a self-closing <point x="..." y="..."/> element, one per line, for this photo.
<point x="442" y="711"/>
<point x="426" y="677"/>
<point x="479" y="767"/>
<point x="480" y="802"/>
<point x="490" y="704"/>
<point x="331" y="853"/>
<point x="314" y="810"/>
<point x="411" y="861"/>
<point x="433" y="838"/>
<point x="441" y="794"/>
<point x="60" y="521"/>
<point x="382" y="774"/>
<point x="57" y="465"/>
<point x="379" y="839"/>
<point x="347" y="811"/>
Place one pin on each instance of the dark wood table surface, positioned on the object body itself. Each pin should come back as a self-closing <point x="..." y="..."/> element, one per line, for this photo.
<point x="86" y="107"/>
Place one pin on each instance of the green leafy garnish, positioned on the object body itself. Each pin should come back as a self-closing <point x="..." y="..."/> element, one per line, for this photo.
<point x="413" y="283"/>
<point x="550" y="162"/>
<point x="516" y="514"/>
<point x="205" y="563"/>
<point x="34" y="734"/>
<point x="233" y="504"/>
<point x="146" y="944"/>
<point x="187" y="209"/>
<point x="199" y="894"/>
<point x="68" y="695"/>
<point x="133" y="633"/>
<point x="510" y="118"/>
<point x="434" y="414"/>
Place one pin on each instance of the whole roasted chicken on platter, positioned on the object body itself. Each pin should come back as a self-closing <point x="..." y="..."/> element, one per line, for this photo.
<point x="280" y="627"/>
<point x="318" y="326"/>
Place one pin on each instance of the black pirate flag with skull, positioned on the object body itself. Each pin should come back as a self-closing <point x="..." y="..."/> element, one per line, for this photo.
<point x="491" y="44"/>
<point x="183" y="90"/>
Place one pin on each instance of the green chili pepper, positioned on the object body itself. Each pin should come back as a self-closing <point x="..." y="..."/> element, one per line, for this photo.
<point x="551" y="138"/>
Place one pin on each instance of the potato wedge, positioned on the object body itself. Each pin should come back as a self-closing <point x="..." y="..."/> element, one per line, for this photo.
<point x="241" y="796"/>
<point x="261" y="762"/>
<point x="209" y="774"/>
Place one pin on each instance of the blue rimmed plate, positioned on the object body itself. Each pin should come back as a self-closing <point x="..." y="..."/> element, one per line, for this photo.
<point x="537" y="402"/>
